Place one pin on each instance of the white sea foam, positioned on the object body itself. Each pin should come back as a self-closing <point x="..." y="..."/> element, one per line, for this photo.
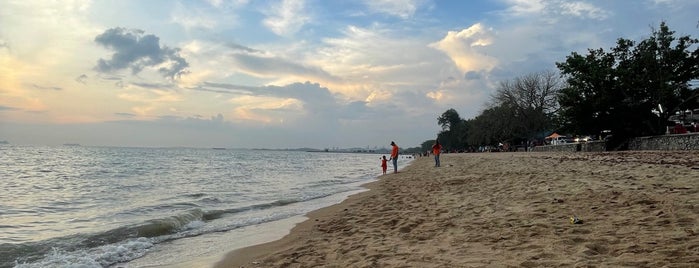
<point x="96" y="257"/>
<point x="106" y="198"/>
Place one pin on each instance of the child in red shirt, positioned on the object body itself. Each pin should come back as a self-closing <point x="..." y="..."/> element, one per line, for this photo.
<point x="384" y="165"/>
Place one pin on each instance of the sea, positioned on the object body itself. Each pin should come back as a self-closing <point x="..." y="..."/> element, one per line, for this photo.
<point x="83" y="206"/>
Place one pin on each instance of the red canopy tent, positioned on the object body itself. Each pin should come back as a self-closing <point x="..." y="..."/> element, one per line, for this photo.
<point x="553" y="136"/>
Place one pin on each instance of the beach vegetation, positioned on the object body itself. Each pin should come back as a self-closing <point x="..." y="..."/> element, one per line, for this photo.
<point x="631" y="89"/>
<point x="520" y="110"/>
<point x="528" y="105"/>
<point x="454" y="130"/>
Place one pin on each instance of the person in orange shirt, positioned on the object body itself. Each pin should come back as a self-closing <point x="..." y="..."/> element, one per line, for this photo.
<point x="384" y="166"/>
<point x="436" y="151"/>
<point x="394" y="156"/>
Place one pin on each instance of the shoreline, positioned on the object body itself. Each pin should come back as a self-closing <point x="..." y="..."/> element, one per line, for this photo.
<point x="249" y="256"/>
<point x="506" y="209"/>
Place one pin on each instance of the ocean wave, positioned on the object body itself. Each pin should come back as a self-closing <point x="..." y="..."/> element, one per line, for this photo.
<point x="101" y="256"/>
<point x="126" y="204"/>
<point x="116" y="245"/>
<point x="151" y="228"/>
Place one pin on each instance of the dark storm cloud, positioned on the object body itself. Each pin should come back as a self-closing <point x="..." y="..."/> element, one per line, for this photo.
<point x="135" y="50"/>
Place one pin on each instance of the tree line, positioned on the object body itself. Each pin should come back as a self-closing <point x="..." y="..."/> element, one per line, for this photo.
<point x="630" y="90"/>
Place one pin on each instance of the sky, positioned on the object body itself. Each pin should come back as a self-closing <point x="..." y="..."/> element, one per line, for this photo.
<point x="285" y="73"/>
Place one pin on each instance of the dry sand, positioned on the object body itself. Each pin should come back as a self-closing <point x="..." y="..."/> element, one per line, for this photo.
<point x="639" y="209"/>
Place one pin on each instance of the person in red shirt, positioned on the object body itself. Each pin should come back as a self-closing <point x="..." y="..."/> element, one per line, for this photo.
<point x="436" y="150"/>
<point x="384" y="166"/>
<point x="394" y="156"/>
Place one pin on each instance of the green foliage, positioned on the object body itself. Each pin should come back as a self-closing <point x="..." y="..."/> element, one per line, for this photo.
<point x="620" y="89"/>
<point x="531" y="103"/>
<point x="522" y="109"/>
<point x="449" y="119"/>
<point x="454" y="130"/>
<point x="492" y="126"/>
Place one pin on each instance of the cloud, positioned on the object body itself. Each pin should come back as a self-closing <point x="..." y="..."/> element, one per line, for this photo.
<point x="525" y="7"/>
<point x="465" y="48"/>
<point x="81" y="79"/>
<point x="553" y="10"/>
<point x="136" y="51"/>
<point x="399" y="8"/>
<point x="46" y="87"/>
<point x="230" y="61"/>
<point x="378" y="59"/>
<point x="126" y="115"/>
<point x="307" y="92"/>
<point x="239" y="47"/>
<point x="583" y="10"/>
<point x="191" y="17"/>
<point x="152" y="85"/>
<point x="8" y="108"/>
<point x="270" y="66"/>
<point x="287" y="18"/>
<point x="472" y="75"/>
<point x="310" y="102"/>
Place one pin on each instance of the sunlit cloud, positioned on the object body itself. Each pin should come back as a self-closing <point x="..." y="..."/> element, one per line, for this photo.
<point x="287" y="18"/>
<point x="584" y="10"/>
<point x="377" y="60"/>
<point x="525" y="7"/>
<point x="192" y="18"/>
<point x="338" y="69"/>
<point x="265" y="109"/>
<point x="436" y="95"/>
<point x="464" y="48"/>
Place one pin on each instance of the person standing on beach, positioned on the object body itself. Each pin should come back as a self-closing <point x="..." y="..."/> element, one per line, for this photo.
<point x="436" y="150"/>
<point x="394" y="156"/>
<point x="384" y="166"/>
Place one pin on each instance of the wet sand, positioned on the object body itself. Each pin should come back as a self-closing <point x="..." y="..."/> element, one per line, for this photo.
<point x="637" y="209"/>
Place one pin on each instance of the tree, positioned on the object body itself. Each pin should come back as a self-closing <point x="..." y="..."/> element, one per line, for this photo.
<point x="621" y="90"/>
<point x="449" y="119"/>
<point x="494" y="125"/>
<point x="532" y="101"/>
<point x="453" y="131"/>
<point x="586" y="100"/>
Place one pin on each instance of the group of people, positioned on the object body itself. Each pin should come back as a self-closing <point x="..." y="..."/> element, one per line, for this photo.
<point x="436" y="151"/>
<point x="394" y="159"/>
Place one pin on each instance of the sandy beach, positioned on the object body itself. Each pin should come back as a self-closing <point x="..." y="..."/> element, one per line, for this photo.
<point x="635" y="209"/>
